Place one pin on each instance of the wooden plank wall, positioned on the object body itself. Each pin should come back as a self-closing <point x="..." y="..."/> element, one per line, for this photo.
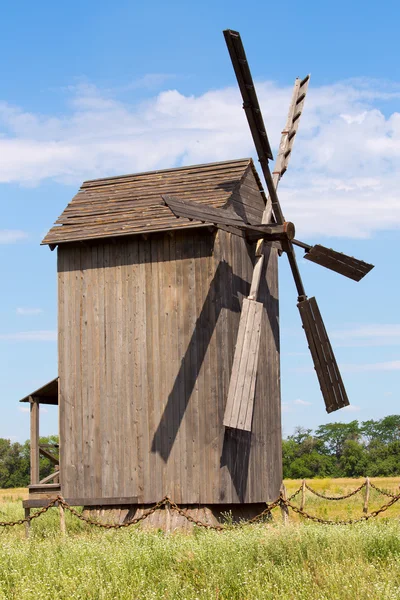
<point x="147" y="331"/>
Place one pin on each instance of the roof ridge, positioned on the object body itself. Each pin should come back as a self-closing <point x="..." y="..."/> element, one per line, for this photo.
<point x="157" y="171"/>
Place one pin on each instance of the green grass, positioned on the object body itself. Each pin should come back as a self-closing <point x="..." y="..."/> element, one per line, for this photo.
<point x="295" y="562"/>
<point x="264" y="561"/>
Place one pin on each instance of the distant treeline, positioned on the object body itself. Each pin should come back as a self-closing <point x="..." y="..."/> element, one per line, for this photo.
<point x="15" y="462"/>
<point x="334" y="450"/>
<point x="370" y="448"/>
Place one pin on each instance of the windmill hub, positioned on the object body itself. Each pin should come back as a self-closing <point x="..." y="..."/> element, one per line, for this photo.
<point x="289" y="230"/>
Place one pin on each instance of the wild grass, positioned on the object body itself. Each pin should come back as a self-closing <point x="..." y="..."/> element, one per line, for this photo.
<point x="264" y="561"/>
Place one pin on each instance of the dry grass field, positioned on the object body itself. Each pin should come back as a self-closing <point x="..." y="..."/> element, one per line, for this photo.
<point x="299" y="561"/>
<point x="350" y="508"/>
<point x="13" y="495"/>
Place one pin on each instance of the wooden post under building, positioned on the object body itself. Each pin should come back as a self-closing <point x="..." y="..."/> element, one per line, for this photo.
<point x="34" y="441"/>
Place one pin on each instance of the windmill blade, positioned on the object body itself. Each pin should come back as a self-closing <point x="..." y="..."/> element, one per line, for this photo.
<point x="324" y="360"/>
<point x="260" y="138"/>
<point x="350" y="267"/>
<point x="287" y="140"/>
<point x="256" y="122"/>
<point x="240" y="401"/>
<point x="239" y="405"/>
<point x="253" y="113"/>
<point x="247" y="89"/>
<point x="290" y="131"/>
<point x="330" y="380"/>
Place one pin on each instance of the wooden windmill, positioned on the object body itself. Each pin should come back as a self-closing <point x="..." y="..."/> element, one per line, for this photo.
<point x="168" y="333"/>
<point x="239" y="407"/>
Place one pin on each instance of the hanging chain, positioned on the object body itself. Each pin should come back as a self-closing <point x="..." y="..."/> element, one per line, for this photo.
<point x="31" y="517"/>
<point x="374" y="513"/>
<point x="82" y="517"/>
<point x="295" y="493"/>
<point x="353" y="493"/>
<point x="168" y="503"/>
<point x="382" y="491"/>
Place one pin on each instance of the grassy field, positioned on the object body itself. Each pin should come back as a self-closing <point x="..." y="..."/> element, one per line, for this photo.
<point x="265" y="561"/>
<point x="350" y="508"/>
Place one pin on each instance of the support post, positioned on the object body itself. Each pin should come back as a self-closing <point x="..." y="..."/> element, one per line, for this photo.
<point x="168" y="518"/>
<point x="34" y="404"/>
<point x="57" y="477"/>
<point x="284" y="508"/>
<point x="27" y="523"/>
<point x="367" y="487"/>
<point x="303" y="494"/>
<point x="62" y="520"/>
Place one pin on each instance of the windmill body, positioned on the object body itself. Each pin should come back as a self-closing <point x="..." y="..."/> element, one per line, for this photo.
<point x="149" y="310"/>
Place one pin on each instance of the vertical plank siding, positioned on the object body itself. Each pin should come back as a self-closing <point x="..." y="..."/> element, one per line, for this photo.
<point x="147" y="330"/>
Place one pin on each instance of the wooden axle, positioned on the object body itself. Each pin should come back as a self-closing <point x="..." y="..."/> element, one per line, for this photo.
<point x="273" y="232"/>
<point x="229" y="220"/>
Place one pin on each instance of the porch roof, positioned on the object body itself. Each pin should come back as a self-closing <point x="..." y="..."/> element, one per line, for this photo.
<point x="47" y="394"/>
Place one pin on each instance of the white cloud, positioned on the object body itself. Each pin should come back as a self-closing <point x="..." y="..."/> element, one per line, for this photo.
<point x="28" y="311"/>
<point x="300" y="402"/>
<point x="343" y="179"/>
<point x="24" y="409"/>
<point x="393" y="365"/>
<point x="30" y="336"/>
<point x="11" y="236"/>
<point x="382" y="334"/>
<point x="352" y="408"/>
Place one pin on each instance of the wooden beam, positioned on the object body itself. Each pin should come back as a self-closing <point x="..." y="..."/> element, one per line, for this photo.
<point x="63" y="528"/>
<point x="34" y="404"/>
<point x="225" y="219"/>
<point x="284" y="508"/>
<point x="367" y="487"/>
<point x="39" y="502"/>
<point x="54" y="459"/>
<point x="50" y="477"/>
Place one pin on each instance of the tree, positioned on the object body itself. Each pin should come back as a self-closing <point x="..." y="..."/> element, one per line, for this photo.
<point x="354" y="460"/>
<point x="344" y="450"/>
<point x="335" y="435"/>
<point x="15" y="462"/>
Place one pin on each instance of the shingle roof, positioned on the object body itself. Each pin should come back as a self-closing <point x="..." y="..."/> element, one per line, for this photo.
<point x="132" y="204"/>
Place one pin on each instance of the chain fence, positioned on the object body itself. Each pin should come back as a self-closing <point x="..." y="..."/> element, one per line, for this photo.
<point x="295" y="493"/>
<point x="366" y="517"/>
<point x="353" y="493"/>
<point x="281" y="501"/>
<point x="30" y="518"/>
<point x="383" y="492"/>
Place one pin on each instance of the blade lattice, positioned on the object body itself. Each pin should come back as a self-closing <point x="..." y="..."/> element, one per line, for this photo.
<point x="340" y="263"/>
<point x="330" y="380"/>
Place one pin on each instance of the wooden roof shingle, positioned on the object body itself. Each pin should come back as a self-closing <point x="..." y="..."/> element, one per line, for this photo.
<point x="132" y="204"/>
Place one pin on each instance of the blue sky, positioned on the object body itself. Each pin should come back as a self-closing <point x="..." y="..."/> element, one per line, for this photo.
<point x="92" y="89"/>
